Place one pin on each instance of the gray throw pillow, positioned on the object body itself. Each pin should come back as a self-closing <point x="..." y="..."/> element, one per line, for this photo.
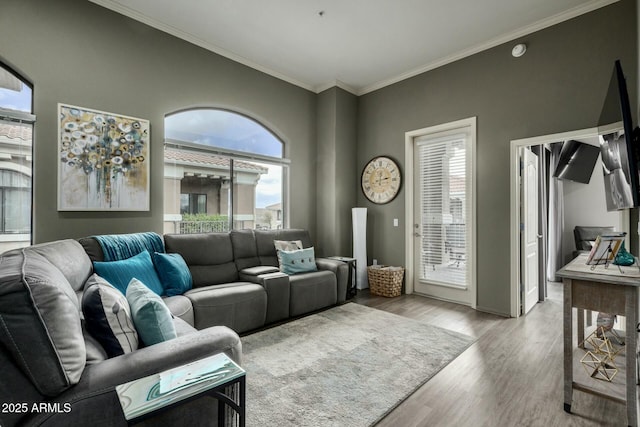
<point x="287" y="245"/>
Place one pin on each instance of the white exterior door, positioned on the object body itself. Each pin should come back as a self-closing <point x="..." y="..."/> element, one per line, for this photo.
<point x="443" y="229"/>
<point x="529" y="234"/>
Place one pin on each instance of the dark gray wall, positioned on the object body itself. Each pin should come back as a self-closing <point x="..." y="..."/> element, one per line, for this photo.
<point x="558" y="86"/>
<point x="336" y="195"/>
<point x="78" y="53"/>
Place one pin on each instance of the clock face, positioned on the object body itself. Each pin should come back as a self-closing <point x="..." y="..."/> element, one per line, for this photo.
<point x="381" y="179"/>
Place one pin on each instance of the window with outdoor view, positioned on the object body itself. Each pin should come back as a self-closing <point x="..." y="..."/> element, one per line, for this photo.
<point x="222" y="171"/>
<point x="16" y="141"/>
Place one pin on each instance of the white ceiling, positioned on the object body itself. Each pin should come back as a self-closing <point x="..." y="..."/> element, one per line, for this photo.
<point x="359" y="45"/>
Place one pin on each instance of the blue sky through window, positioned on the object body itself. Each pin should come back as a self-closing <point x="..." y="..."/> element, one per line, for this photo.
<point x="231" y="131"/>
<point x="14" y="100"/>
<point x="222" y="129"/>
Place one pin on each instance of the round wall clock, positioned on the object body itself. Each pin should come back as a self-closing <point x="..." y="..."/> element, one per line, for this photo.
<point x="381" y="179"/>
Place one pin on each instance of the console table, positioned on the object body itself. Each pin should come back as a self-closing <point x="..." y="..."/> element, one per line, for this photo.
<point x="611" y="290"/>
<point x="145" y="397"/>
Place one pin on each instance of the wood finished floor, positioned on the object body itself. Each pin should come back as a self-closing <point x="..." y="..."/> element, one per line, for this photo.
<point x="511" y="376"/>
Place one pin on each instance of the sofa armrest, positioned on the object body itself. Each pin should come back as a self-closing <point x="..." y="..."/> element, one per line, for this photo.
<point x="258" y="270"/>
<point x="277" y="286"/>
<point x="95" y="393"/>
<point x="341" y="270"/>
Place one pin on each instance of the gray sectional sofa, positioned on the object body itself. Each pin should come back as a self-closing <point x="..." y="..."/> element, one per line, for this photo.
<point x="46" y="354"/>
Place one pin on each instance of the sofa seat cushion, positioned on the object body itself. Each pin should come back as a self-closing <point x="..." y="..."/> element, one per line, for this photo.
<point x="312" y="291"/>
<point x="182" y="327"/>
<point x="240" y="306"/>
<point x="180" y="306"/>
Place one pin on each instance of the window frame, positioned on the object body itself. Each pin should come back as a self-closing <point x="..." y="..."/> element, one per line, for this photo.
<point x="238" y="155"/>
<point x="27" y="118"/>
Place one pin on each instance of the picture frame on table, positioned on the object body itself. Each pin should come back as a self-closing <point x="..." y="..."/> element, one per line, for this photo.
<point x="605" y="249"/>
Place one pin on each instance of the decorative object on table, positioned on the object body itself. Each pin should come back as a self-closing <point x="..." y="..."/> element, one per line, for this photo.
<point x="385" y="281"/>
<point x="623" y="257"/>
<point x="359" y="219"/>
<point x="103" y="161"/>
<point x="604" y="324"/>
<point x="605" y="249"/>
<point x="381" y="180"/>
<point x="599" y="362"/>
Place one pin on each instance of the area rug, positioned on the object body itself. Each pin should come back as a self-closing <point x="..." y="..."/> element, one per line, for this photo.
<point x="346" y="366"/>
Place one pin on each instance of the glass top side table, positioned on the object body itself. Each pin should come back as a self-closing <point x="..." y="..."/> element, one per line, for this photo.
<point x="212" y="375"/>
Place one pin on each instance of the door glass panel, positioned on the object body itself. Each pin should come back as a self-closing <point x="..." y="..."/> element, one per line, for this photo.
<point x="444" y="210"/>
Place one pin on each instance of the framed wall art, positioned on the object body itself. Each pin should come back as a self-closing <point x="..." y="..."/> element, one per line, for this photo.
<point x="103" y="161"/>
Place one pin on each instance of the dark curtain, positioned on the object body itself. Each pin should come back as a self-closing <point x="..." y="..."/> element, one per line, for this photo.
<point x="543" y="216"/>
<point x="555" y="215"/>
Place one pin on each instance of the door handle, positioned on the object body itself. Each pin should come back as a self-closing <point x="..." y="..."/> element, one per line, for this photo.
<point x="416" y="234"/>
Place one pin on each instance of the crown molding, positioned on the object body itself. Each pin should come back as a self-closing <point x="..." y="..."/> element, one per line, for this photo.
<point x="133" y="14"/>
<point x="336" y="83"/>
<point x="529" y="29"/>
<point x="537" y="26"/>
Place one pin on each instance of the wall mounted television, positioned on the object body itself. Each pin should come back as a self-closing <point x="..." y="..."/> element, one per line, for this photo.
<point x="576" y="161"/>
<point x="619" y="145"/>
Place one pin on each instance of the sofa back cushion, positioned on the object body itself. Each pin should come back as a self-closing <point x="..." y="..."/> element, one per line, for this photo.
<point x="208" y="255"/>
<point x="245" y="251"/>
<point x="267" y="250"/>
<point x="39" y="319"/>
<point x="70" y="258"/>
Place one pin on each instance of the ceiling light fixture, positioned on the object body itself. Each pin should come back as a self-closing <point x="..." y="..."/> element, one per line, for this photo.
<point x="518" y="50"/>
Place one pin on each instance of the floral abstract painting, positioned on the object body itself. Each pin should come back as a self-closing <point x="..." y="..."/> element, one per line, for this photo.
<point x="103" y="161"/>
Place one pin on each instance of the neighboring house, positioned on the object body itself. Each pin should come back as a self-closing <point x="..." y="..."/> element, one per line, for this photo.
<point x="15" y="185"/>
<point x="269" y="217"/>
<point x="199" y="183"/>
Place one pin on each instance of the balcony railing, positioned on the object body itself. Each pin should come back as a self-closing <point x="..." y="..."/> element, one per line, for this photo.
<point x="189" y="227"/>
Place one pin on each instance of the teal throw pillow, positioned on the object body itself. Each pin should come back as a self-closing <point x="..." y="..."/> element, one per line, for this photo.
<point x="173" y="272"/>
<point x="299" y="261"/>
<point x="151" y="316"/>
<point x="120" y="273"/>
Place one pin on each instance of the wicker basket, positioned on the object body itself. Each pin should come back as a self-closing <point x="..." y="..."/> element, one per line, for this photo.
<point x="385" y="281"/>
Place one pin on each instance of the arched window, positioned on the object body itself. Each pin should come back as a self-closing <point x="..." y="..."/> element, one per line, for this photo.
<point x="222" y="171"/>
<point x="16" y="152"/>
